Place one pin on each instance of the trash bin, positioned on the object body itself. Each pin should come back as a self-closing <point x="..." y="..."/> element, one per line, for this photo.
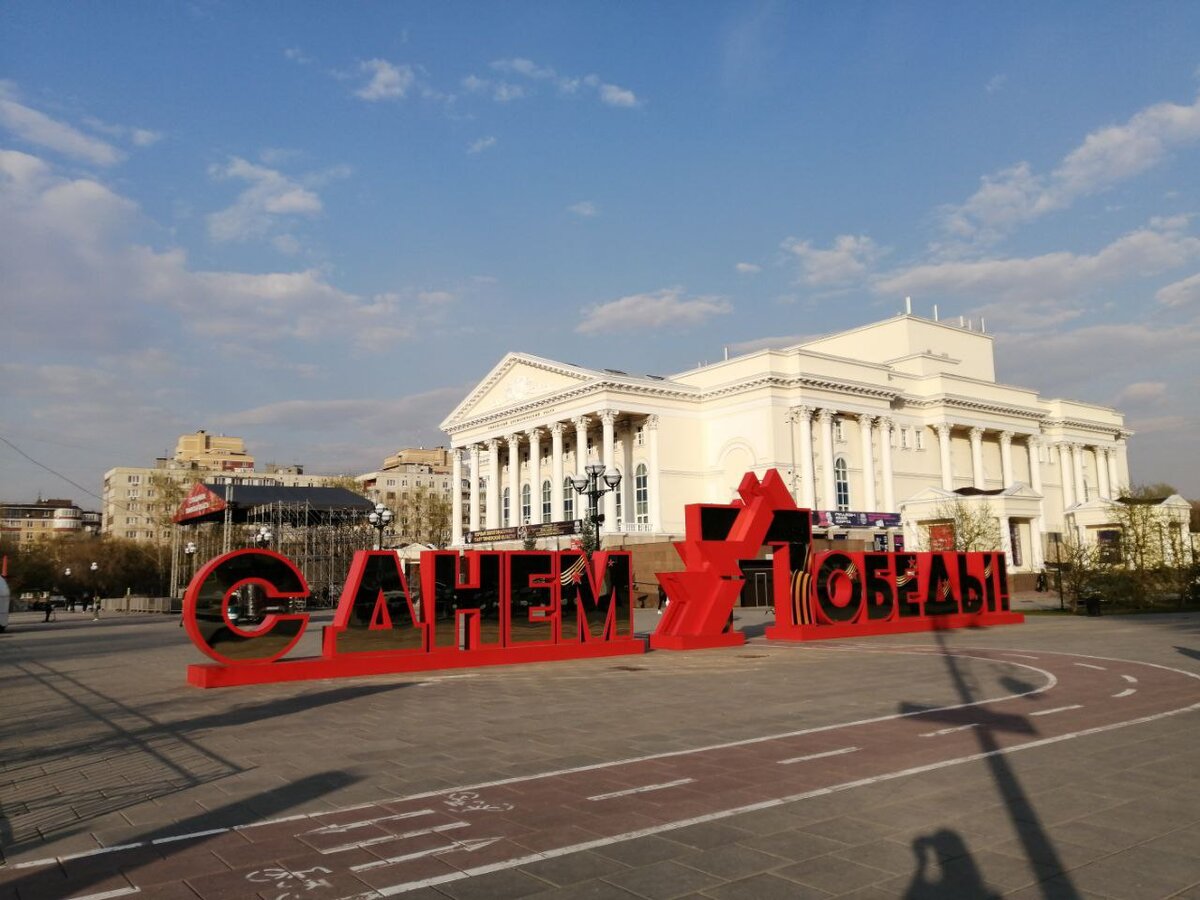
<point x="1091" y="602"/>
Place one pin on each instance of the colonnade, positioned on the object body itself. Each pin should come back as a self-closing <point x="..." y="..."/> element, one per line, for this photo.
<point x="615" y="449"/>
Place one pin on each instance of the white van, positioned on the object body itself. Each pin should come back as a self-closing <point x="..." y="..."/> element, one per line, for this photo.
<point x="5" y="597"/>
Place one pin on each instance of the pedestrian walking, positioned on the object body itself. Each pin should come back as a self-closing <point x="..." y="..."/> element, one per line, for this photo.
<point x="662" y="599"/>
<point x="49" y="611"/>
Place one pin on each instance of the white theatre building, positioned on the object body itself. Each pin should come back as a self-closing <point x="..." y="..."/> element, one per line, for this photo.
<point x="878" y="428"/>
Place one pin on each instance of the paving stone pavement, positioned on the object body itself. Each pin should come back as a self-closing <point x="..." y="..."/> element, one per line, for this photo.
<point x="104" y="746"/>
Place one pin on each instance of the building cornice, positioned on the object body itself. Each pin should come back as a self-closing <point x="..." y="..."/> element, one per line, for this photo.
<point x="953" y="401"/>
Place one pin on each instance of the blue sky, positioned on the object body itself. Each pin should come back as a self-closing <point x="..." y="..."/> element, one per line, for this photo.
<point x="318" y="225"/>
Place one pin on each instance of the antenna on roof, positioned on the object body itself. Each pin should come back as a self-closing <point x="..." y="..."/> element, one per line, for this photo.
<point x="935" y="315"/>
<point x="908" y="306"/>
<point x="982" y="325"/>
<point x="727" y="351"/>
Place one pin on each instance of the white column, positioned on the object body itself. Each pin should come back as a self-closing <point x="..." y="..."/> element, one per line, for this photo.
<point x="1077" y="460"/>
<point x="556" y="471"/>
<point x="651" y="428"/>
<point x="1033" y="445"/>
<point x="628" y="513"/>
<point x="493" y="494"/>
<point x="1068" y="483"/>
<point x="1006" y="540"/>
<point x="514" y="480"/>
<point x="581" y="430"/>
<point x="476" y="474"/>
<point x="808" y="491"/>
<point x="828" y="491"/>
<point x="1006" y="468"/>
<point x="607" y="418"/>
<point x="456" y="531"/>
<point x="1102" y="483"/>
<point x="865" y="424"/>
<point x="1114" y="479"/>
<point x="889" y="476"/>
<point x="535" y="476"/>
<point x="943" y="432"/>
<point x="977" y="458"/>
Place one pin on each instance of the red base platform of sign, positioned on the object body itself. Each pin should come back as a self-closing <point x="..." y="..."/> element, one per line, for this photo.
<point x="891" y="626"/>
<point x="355" y="665"/>
<point x="696" y="641"/>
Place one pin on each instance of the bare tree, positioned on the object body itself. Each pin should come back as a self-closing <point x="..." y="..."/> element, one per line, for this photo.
<point x="969" y="527"/>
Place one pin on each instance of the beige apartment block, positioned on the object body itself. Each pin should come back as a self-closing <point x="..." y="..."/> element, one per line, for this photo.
<point x="37" y="520"/>
<point x="413" y="473"/>
<point x="893" y="420"/>
<point x="140" y="501"/>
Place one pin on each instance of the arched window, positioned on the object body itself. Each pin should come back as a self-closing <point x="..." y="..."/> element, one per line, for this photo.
<point x="546" y="513"/>
<point x="568" y="499"/>
<point x="526" y="508"/>
<point x="620" y="492"/>
<point x="505" y="519"/>
<point x="641" y="495"/>
<point x="841" y="484"/>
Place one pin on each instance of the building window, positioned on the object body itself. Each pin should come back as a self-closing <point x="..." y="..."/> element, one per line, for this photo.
<point x="841" y="483"/>
<point x="620" y="494"/>
<point x="639" y="436"/>
<point x="839" y="430"/>
<point x="526" y="507"/>
<point x="547" y="488"/>
<point x="1014" y="541"/>
<point x="903" y="438"/>
<point x="505" y="518"/>
<point x="135" y="479"/>
<point x="919" y="434"/>
<point x="568" y="499"/>
<point x="1108" y="543"/>
<point x="641" y="495"/>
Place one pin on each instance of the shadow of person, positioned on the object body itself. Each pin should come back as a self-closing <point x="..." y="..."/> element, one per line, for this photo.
<point x="945" y="870"/>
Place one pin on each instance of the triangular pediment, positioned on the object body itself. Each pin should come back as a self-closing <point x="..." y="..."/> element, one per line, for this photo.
<point x="518" y="379"/>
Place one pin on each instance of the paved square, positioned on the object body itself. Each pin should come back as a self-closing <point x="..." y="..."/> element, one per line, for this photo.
<point x="1053" y="759"/>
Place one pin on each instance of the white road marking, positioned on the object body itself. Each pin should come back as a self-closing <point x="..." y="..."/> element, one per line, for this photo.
<point x="796" y="759"/>
<point x="1090" y="666"/>
<point x="1021" y="655"/>
<point x="644" y="789"/>
<point x="183" y="837"/>
<point x="1046" y="712"/>
<point x="338" y="829"/>
<point x="467" y="846"/>
<point x="405" y="887"/>
<point x="119" y="892"/>
<point x="371" y="842"/>
<point x="1125" y="693"/>
<point x="1130" y="679"/>
<point x="942" y="731"/>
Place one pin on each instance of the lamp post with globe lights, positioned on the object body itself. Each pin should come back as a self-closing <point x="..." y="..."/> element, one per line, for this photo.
<point x="593" y="484"/>
<point x="380" y="518"/>
<point x="94" y="568"/>
<point x="262" y="540"/>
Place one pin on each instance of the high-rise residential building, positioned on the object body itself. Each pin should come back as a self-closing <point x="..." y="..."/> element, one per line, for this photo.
<point x="30" y="521"/>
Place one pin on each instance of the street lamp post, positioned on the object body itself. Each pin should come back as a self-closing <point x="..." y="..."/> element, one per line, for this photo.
<point x="593" y="484"/>
<point x="94" y="568"/>
<point x="262" y="540"/>
<point x="189" y="551"/>
<point x="380" y="517"/>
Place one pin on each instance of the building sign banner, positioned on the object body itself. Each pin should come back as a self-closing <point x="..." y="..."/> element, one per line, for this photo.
<point x="825" y="518"/>
<point x="524" y="532"/>
<point x="200" y="501"/>
<point x="480" y="608"/>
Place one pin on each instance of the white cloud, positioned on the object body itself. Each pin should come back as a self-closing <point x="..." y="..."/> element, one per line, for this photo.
<point x="846" y="262"/>
<point x="482" y="144"/>
<point x="1180" y="293"/>
<point x="37" y="128"/>
<point x="1157" y="248"/>
<point x="609" y="94"/>
<point x="585" y="209"/>
<point x="388" y="81"/>
<point x="995" y="83"/>
<point x="295" y="54"/>
<point x="613" y="95"/>
<point x="287" y="244"/>
<point x="651" y="310"/>
<point x="745" y="268"/>
<point x="1142" y="392"/>
<point x="1105" y="158"/>
<point x="144" y="137"/>
<point x="269" y="196"/>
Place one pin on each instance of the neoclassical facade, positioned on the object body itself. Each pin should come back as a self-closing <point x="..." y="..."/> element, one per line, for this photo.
<point x="891" y="420"/>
